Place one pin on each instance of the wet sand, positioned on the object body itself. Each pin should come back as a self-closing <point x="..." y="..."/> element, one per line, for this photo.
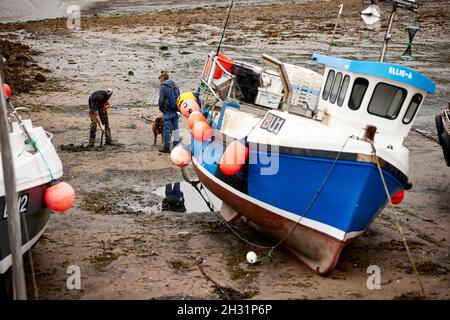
<point x="125" y="253"/>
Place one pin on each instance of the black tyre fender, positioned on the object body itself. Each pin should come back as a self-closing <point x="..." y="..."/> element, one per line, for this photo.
<point x="445" y="143"/>
<point x="439" y="127"/>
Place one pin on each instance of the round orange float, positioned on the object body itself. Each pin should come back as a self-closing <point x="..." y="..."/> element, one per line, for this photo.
<point x="202" y="131"/>
<point x="180" y="156"/>
<point x="398" y="197"/>
<point x="7" y="90"/>
<point x="60" y="197"/>
<point x="194" y="118"/>
<point x="233" y="158"/>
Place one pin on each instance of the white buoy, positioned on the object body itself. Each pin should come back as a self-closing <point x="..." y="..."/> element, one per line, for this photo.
<point x="251" y="257"/>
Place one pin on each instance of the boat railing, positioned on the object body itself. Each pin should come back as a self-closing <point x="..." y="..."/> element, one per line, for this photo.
<point x="290" y="101"/>
<point x="23" y="109"/>
<point x="14" y="114"/>
<point x="287" y="88"/>
<point x="49" y="135"/>
<point x="223" y="85"/>
<point x="210" y="90"/>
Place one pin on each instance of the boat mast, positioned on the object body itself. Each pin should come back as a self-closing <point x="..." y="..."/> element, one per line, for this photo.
<point x="14" y="229"/>
<point x="411" y="5"/>
<point x="388" y="34"/>
<point x="225" y="26"/>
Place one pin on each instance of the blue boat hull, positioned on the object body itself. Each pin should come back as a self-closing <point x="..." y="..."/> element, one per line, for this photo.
<point x="280" y="203"/>
<point x="350" y="199"/>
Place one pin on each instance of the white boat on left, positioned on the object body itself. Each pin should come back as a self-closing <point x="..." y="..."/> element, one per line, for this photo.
<point x="37" y="168"/>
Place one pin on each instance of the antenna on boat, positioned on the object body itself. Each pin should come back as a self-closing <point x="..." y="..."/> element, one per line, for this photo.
<point x="412" y="5"/>
<point x="12" y="206"/>
<point x="225" y="26"/>
<point x="388" y="35"/>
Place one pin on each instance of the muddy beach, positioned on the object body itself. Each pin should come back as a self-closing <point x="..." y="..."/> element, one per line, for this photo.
<point x="128" y="243"/>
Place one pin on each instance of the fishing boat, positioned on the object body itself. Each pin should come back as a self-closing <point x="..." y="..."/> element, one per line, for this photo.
<point x="442" y="121"/>
<point x="307" y="158"/>
<point x="38" y="172"/>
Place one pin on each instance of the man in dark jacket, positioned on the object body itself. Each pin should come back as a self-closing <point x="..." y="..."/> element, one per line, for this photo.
<point x="168" y="95"/>
<point x="98" y="112"/>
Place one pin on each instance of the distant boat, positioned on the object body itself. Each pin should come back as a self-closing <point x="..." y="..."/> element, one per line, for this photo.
<point x="311" y="178"/>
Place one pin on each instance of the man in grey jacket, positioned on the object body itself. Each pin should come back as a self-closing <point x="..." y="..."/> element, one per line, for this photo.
<point x="168" y="95"/>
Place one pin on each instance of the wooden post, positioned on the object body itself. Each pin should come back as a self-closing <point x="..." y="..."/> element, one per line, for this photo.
<point x="11" y="197"/>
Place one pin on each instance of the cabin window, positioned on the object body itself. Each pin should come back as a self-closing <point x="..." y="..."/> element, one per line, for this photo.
<point x="343" y="91"/>
<point x="387" y="101"/>
<point x="359" y="90"/>
<point x="328" y="84"/>
<point x="412" y="108"/>
<point x="336" y="86"/>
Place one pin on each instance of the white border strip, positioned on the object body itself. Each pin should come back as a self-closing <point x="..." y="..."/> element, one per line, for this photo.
<point x="319" y="226"/>
<point x="7" y="262"/>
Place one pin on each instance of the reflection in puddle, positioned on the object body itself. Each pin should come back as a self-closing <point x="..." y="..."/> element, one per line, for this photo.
<point x="184" y="197"/>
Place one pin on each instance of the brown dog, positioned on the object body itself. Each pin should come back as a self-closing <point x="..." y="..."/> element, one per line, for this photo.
<point x="158" y="128"/>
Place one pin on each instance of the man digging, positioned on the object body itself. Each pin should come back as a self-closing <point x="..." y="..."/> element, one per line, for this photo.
<point x="98" y="112"/>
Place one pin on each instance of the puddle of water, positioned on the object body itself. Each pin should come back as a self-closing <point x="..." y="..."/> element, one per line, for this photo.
<point x="183" y="197"/>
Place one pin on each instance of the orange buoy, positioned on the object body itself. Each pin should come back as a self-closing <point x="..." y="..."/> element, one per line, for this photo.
<point x="398" y="197"/>
<point x="194" y="118"/>
<point x="60" y="197"/>
<point x="233" y="158"/>
<point x="202" y="131"/>
<point x="7" y="90"/>
<point x="180" y="156"/>
<point x="188" y="106"/>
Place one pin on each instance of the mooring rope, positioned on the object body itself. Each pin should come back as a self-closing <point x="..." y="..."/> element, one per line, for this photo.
<point x="397" y="222"/>
<point x="33" y="143"/>
<point x="311" y="203"/>
<point x="268" y="255"/>
<point x="194" y="184"/>
<point x="30" y="256"/>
